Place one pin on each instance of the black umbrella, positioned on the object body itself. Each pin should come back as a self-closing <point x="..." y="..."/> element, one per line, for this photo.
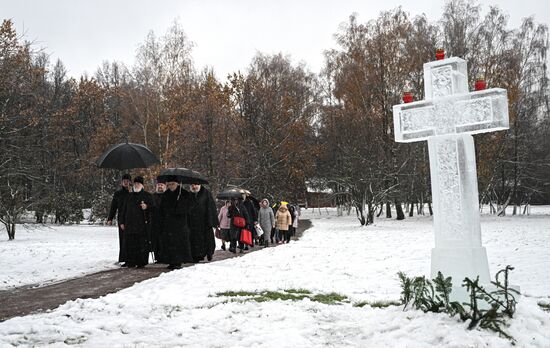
<point x="234" y="192"/>
<point x="127" y="156"/>
<point x="184" y="175"/>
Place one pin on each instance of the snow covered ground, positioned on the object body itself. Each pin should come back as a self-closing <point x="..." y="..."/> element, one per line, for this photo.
<point x="181" y="308"/>
<point x="44" y="254"/>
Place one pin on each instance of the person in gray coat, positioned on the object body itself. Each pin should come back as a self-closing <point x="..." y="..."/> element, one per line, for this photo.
<point x="266" y="220"/>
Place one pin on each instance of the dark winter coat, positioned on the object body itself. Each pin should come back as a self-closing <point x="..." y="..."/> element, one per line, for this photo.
<point x="251" y="209"/>
<point x="253" y="213"/>
<point x="137" y="227"/>
<point x="237" y="210"/>
<point x="117" y="203"/>
<point x="292" y="211"/>
<point x="203" y="217"/>
<point x="174" y="227"/>
<point x="156" y="242"/>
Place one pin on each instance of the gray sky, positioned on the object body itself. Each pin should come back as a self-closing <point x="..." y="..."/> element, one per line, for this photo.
<point x="227" y="34"/>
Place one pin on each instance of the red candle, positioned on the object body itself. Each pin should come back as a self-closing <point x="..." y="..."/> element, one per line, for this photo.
<point x="440" y="54"/>
<point x="407" y="97"/>
<point x="480" y="84"/>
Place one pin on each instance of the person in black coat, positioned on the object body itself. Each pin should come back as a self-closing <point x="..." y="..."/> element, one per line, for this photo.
<point x="156" y="239"/>
<point x="291" y="229"/>
<point x="174" y="225"/>
<point x="275" y="208"/>
<point x="117" y="203"/>
<point x="237" y="208"/>
<point x="253" y="218"/>
<point x="203" y="218"/>
<point x="135" y="222"/>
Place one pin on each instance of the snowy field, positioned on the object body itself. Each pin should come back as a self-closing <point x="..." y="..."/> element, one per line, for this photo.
<point x="44" y="254"/>
<point x="182" y="308"/>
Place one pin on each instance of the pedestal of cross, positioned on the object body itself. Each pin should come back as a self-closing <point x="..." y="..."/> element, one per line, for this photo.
<point x="446" y="119"/>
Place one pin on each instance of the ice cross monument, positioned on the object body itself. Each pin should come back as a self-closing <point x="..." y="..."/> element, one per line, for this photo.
<point x="447" y="118"/>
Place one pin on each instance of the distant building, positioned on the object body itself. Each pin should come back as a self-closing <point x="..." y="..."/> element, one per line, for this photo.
<point x="318" y="195"/>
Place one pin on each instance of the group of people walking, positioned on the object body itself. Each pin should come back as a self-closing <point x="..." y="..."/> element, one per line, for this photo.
<point x="267" y="224"/>
<point x="173" y="223"/>
<point x="178" y="225"/>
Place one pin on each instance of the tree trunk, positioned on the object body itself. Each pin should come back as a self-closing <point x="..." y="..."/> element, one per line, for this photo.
<point x="370" y="214"/>
<point x="11" y="231"/>
<point x="430" y="208"/>
<point x="411" y="209"/>
<point x="360" y="215"/>
<point x="419" y="208"/>
<point x="502" y="211"/>
<point x="399" y="211"/>
<point x="388" y="210"/>
<point x="381" y="210"/>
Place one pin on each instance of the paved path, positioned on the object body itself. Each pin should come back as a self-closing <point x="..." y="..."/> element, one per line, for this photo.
<point x="28" y="299"/>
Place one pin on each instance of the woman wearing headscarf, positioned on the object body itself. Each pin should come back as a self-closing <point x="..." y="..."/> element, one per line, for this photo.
<point x="266" y="220"/>
<point x="225" y="223"/>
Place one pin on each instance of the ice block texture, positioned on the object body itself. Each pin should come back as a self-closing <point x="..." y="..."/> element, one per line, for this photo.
<point x="447" y="118"/>
<point x="445" y="77"/>
<point x="454" y="191"/>
<point x="472" y="113"/>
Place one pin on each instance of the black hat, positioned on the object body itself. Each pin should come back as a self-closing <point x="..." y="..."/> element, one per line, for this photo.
<point x="126" y="177"/>
<point x="171" y="178"/>
<point x="139" y="179"/>
<point x="161" y="180"/>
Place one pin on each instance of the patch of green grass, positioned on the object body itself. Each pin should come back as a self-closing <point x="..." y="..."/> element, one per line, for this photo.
<point x="236" y="293"/>
<point x="275" y="295"/>
<point x="544" y="306"/>
<point x="377" y="304"/>
<point x="285" y="295"/>
<point x="298" y="291"/>
<point x="331" y="298"/>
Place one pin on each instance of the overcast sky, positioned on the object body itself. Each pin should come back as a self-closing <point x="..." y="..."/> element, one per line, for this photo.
<point x="227" y="34"/>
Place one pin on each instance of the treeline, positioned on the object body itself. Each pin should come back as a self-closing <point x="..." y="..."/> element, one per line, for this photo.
<point x="276" y="128"/>
<point x="378" y="60"/>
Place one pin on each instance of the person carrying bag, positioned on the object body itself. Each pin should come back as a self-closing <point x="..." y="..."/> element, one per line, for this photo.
<point x="239" y="216"/>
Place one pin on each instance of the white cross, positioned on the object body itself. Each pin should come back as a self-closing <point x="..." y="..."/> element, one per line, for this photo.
<point x="447" y="118"/>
